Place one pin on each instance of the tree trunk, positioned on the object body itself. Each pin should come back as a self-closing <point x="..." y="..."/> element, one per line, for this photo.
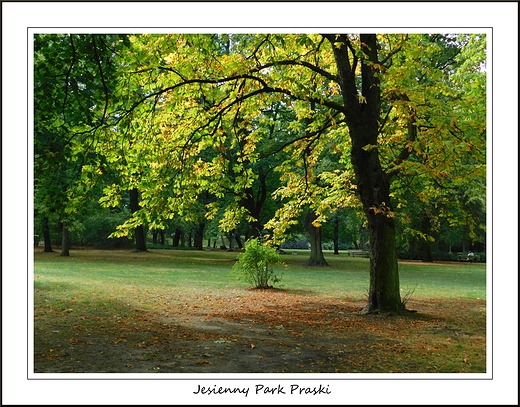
<point x="384" y="294"/>
<point x="163" y="237"/>
<point x="254" y="204"/>
<point x="154" y="236"/>
<point x="140" y="237"/>
<point x="230" y="240"/>
<point x="374" y="191"/>
<point x="316" y="258"/>
<point x="373" y="184"/>
<point x="336" y="233"/>
<point x="47" y="236"/>
<point x="238" y="240"/>
<point x="177" y="237"/>
<point x="199" y="236"/>
<point x="65" y="240"/>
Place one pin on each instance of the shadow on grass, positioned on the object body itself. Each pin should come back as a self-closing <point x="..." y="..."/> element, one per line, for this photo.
<point x="102" y="335"/>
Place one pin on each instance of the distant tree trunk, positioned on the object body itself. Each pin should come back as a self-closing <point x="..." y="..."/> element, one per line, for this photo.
<point x="199" y="236"/>
<point x="254" y="204"/>
<point x="47" y="236"/>
<point x="140" y="237"/>
<point x="154" y="236"/>
<point x="163" y="237"/>
<point x="336" y="233"/>
<point x="230" y="240"/>
<point x="177" y="237"/>
<point x="316" y="258"/>
<point x="238" y="240"/>
<point x="65" y="240"/>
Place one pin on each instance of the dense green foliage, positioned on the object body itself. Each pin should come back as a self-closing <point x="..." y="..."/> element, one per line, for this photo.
<point x="256" y="264"/>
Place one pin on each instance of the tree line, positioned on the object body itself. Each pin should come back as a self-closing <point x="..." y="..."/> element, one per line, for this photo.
<point x="272" y="135"/>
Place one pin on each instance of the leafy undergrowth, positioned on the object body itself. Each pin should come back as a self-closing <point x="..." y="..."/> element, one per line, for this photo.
<point x="242" y="330"/>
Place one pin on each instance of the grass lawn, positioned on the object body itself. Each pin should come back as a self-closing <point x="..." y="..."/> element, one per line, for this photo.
<point x="182" y="311"/>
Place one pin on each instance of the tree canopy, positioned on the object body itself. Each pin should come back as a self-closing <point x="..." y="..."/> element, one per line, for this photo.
<point x="254" y="131"/>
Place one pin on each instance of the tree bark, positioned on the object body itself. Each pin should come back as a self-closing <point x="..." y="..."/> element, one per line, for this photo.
<point x="238" y="240"/>
<point x="139" y="232"/>
<point x="47" y="236"/>
<point x="65" y="240"/>
<point x="374" y="191"/>
<point x="336" y="233"/>
<point x="317" y="258"/>
<point x="254" y="204"/>
<point x="230" y="238"/>
<point x="373" y="184"/>
<point x="177" y="237"/>
<point x="254" y="208"/>
<point x="199" y="236"/>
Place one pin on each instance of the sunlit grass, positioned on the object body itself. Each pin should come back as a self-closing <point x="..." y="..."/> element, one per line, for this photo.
<point x="165" y="270"/>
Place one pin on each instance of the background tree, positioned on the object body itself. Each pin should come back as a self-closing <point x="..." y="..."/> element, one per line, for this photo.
<point x="72" y="92"/>
<point x="447" y="151"/>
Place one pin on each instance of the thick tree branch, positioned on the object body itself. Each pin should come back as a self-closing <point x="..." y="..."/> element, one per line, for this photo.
<point x="306" y="64"/>
<point x="346" y="76"/>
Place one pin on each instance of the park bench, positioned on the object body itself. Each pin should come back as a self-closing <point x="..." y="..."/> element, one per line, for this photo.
<point x="464" y="257"/>
<point x="358" y="253"/>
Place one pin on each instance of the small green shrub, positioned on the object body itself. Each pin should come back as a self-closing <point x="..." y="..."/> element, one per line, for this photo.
<point x="255" y="265"/>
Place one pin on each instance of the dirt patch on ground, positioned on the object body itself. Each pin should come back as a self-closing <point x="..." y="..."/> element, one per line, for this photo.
<point x="269" y="331"/>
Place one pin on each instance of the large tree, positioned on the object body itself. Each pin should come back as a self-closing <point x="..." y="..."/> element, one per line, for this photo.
<point x="364" y="96"/>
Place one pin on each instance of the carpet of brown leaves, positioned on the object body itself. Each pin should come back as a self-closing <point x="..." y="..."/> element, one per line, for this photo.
<point x="269" y="331"/>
